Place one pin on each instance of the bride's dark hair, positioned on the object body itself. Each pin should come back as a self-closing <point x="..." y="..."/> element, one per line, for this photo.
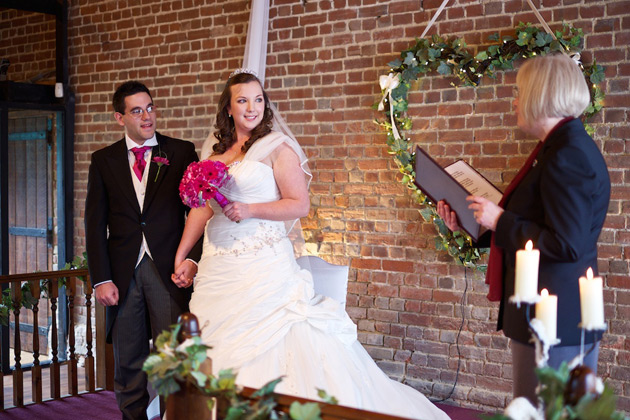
<point x="226" y="133"/>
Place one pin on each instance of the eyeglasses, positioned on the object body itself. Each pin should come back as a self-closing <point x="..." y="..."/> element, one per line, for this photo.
<point x="139" y="112"/>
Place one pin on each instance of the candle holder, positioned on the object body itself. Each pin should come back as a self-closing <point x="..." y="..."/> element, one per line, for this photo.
<point x="537" y="330"/>
<point x="518" y="300"/>
<point x="593" y="329"/>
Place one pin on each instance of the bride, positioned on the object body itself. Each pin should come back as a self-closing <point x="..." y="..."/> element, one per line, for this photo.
<point x="256" y="306"/>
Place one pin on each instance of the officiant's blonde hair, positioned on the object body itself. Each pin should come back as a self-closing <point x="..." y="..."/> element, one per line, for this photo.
<point x="551" y="86"/>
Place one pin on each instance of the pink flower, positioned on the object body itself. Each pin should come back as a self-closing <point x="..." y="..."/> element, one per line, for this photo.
<point x="160" y="160"/>
<point x="201" y="182"/>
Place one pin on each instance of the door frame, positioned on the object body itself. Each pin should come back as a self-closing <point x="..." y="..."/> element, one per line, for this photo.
<point x="64" y="167"/>
<point x="32" y="96"/>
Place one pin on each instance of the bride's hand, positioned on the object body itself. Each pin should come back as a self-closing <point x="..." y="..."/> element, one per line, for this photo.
<point x="184" y="273"/>
<point x="237" y="211"/>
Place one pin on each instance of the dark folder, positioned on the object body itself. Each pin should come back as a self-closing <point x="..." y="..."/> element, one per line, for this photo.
<point x="437" y="184"/>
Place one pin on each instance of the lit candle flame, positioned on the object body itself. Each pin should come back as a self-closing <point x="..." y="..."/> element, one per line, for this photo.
<point x="544" y="293"/>
<point x="529" y="245"/>
<point x="589" y="273"/>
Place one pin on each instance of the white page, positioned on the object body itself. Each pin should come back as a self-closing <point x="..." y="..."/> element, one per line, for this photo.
<point x="473" y="181"/>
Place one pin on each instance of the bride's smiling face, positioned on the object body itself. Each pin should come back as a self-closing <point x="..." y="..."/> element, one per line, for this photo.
<point x="247" y="106"/>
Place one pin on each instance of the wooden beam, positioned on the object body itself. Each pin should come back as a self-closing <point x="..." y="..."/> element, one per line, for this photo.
<point x="37" y="6"/>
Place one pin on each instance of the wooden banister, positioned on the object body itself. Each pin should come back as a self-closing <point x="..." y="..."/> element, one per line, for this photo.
<point x="36" y="370"/>
<point x="18" y="374"/>
<point x="98" y="373"/>
<point x="329" y="411"/>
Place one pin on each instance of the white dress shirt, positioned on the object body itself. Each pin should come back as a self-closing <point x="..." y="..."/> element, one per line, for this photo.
<point x="140" y="186"/>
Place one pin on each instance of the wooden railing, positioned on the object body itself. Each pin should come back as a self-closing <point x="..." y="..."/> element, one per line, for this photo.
<point x="98" y="362"/>
<point x="328" y="411"/>
<point x="191" y="404"/>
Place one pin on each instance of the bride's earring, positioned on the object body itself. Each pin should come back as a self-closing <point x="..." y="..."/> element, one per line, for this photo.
<point x="229" y="115"/>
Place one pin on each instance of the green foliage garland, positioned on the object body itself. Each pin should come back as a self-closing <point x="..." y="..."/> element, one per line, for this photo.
<point x="450" y="57"/>
<point x="552" y="394"/>
<point x="174" y="364"/>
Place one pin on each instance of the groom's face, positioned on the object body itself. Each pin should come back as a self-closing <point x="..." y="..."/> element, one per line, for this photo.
<point x="140" y="127"/>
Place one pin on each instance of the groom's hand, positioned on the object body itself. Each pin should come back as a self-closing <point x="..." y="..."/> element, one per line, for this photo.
<point x="184" y="273"/>
<point x="107" y="294"/>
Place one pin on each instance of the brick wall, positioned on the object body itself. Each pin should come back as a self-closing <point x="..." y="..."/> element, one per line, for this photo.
<point x="28" y="41"/>
<point x="323" y="66"/>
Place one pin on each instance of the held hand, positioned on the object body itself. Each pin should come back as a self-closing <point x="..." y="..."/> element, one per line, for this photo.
<point x="237" y="211"/>
<point x="485" y="211"/>
<point x="107" y="294"/>
<point x="449" y="217"/>
<point x="184" y="274"/>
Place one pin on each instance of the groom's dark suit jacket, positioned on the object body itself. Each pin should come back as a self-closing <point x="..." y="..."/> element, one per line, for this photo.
<point x="561" y="205"/>
<point x="114" y="223"/>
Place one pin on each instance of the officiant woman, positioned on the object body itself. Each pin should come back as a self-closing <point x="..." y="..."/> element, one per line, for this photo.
<point x="559" y="200"/>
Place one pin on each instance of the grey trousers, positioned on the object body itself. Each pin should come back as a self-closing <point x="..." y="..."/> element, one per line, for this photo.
<point x="147" y="310"/>
<point x="524" y="365"/>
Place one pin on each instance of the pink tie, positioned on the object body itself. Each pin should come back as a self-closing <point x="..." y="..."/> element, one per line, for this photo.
<point x="140" y="163"/>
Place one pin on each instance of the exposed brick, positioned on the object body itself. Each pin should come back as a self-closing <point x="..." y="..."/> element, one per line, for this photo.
<point x="322" y="71"/>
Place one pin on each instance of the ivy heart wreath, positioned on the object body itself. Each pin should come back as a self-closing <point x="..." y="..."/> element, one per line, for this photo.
<point x="450" y="57"/>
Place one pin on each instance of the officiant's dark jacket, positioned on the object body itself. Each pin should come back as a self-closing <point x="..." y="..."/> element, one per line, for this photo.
<point x="560" y="205"/>
<point x="114" y="223"/>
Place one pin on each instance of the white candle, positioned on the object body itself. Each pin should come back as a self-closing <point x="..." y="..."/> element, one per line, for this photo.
<point x="592" y="301"/>
<point x="547" y="313"/>
<point x="526" y="276"/>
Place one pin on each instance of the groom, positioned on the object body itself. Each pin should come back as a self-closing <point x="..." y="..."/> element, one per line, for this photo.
<point x="134" y="220"/>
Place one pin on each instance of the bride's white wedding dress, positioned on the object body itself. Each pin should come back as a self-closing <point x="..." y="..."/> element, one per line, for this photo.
<point x="258" y="311"/>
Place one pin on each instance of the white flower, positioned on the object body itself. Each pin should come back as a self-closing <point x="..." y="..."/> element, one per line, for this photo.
<point x="168" y="350"/>
<point x="599" y="386"/>
<point x="184" y="345"/>
<point x="521" y="409"/>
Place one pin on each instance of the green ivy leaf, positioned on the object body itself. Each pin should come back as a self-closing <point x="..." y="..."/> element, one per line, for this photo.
<point x="444" y="69"/>
<point x="4" y="315"/>
<point x="235" y="413"/>
<point x="410" y="59"/>
<point x="482" y="55"/>
<point x="434" y="53"/>
<point x="329" y="399"/>
<point x="395" y="64"/>
<point x="597" y="74"/>
<point x="494" y="37"/>
<point x="411" y="73"/>
<point x="226" y="380"/>
<point x="399" y="92"/>
<point x="268" y="388"/>
<point x="543" y="38"/>
<point x="427" y="214"/>
<point x="308" y="411"/>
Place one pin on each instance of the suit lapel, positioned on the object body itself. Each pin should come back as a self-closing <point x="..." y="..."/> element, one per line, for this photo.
<point x="118" y="161"/>
<point x="156" y="177"/>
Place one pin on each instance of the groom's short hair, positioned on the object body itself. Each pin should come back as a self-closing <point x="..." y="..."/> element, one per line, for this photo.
<point x="127" y="89"/>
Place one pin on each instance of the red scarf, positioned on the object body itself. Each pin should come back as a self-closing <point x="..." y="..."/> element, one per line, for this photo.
<point x="494" y="273"/>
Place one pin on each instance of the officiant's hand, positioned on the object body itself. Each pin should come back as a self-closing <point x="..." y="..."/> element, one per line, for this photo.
<point x="486" y="212"/>
<point x="449" y="217"/>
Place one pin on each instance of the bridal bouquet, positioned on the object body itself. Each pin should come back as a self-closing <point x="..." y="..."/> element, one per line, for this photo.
<point x="202" y="181"/>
